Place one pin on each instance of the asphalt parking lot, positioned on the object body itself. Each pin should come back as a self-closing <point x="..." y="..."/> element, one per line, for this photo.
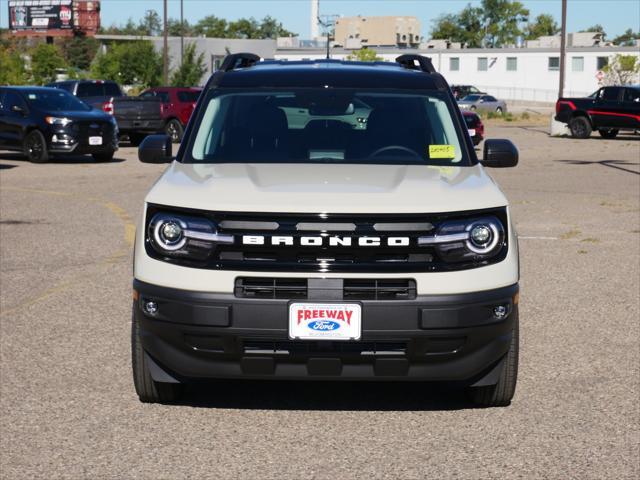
<point x="68" y="408"/>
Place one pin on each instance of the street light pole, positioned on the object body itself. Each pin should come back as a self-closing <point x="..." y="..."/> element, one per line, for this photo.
<point x="165" y="55"/>
<point x="563" y="48"/>
<point x="181" y="32"/>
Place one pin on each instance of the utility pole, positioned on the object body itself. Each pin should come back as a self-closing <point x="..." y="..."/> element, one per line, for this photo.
<point x="165" y="54"/>
<point x="563" y="48"/>
<point x="328" y="22"/>
<point x="181" y="32"/>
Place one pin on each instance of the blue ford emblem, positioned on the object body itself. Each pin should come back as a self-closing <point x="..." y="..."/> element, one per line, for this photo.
<point x="94" y="125"/>
<point x="324" y="325"/>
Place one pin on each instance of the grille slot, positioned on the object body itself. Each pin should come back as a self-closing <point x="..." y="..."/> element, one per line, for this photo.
<point x="365" y="349"/>
<point x="387" y="289"/>
<point x="280" y="288"/>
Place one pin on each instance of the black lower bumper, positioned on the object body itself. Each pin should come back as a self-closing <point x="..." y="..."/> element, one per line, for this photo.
<point x="195" y="335"/>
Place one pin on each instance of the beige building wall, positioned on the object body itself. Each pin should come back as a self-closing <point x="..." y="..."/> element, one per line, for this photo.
<point x="359" y="31"/>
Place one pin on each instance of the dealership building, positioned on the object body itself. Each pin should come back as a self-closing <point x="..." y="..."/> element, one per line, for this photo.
<point x="528" y="73"/>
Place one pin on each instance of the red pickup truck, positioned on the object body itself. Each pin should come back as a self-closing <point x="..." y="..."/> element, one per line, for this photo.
<point x="176" y="107"/>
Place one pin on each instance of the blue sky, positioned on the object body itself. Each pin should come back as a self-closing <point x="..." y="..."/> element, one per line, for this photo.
<point x="615" y="15"/>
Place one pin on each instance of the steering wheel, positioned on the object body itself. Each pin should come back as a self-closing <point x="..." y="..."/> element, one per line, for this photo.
<point x="400" y="148"/>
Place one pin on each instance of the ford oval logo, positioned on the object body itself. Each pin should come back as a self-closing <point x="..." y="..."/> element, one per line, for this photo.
<point x="324" y="325"/>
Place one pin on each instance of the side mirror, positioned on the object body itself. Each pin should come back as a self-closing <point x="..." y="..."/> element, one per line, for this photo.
<point x="499" y="154"/>
<point x="155" y="149"/>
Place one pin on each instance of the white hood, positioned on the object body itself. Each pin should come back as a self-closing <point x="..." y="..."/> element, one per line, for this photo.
<point x="326" y="188"/>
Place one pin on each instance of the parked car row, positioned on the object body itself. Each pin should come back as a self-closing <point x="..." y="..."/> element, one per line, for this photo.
<point x="88" y="117"/>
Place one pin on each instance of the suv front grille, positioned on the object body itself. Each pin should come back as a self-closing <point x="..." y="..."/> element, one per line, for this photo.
<point x="291" y="256"/>
<point x="298" y="288"/>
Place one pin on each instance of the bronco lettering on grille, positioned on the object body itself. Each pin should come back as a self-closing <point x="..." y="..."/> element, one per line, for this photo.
<point x="319" y="241"/>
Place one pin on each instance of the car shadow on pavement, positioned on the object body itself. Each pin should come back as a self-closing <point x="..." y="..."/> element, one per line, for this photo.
<point x="606" y="163"/>
<point x="325" y="396"/>
<point x="67" y="159"/>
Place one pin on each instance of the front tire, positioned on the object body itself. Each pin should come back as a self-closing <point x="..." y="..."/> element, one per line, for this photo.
<point x="580" y="127"/>
<point x="499" y="110"/>
<point x="608" y="133"/>
<point x="174" y="130"/>
<point x="500" y="394"/>
<point x="35" y="147"/>
<point x="148" y="390"/>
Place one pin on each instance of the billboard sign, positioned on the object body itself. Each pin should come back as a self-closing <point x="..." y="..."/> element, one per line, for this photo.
<point x="30" y="15"/>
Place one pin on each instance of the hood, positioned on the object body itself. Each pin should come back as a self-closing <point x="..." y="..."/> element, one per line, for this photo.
<point x="94" y="114"/>
<point x="326" y="188"/>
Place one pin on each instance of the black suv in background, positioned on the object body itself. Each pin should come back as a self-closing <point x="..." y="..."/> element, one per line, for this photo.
<point x="40" y="121"/>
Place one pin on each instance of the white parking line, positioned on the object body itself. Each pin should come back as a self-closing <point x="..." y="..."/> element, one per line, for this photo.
<point x="536" y="238"/>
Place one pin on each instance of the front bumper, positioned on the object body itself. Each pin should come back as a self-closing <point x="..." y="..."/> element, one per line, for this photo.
<point x="62" y="140"/>
<point x="196" y="335"/>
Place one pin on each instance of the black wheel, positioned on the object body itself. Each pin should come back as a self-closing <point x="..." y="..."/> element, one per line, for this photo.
<point x="35" y="147"/>
<point x="174" y="130"/>
<point x="103" y="157"/>
<point x="473" y="107"/>
<point x="500" y="394"/>
<point x="136" y="138"/>
<point x="608" y="133"/>
<point x="147" y="389"/>
<point x="580" y="127"/>
<point x="499" y="110"/>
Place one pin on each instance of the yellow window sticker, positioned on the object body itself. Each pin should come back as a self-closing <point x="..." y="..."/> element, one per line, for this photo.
<point x="442" y="151"/>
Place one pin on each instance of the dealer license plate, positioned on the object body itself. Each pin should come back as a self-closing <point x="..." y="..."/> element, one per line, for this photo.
<point x="95" y="140"/>
<point x="325" y="321"/>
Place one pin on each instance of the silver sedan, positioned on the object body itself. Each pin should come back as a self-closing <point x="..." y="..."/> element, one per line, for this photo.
<point x="482" y="102"/>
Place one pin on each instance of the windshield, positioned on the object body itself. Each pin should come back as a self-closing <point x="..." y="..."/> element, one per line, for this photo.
<point x="54" y="100"/>
<point x="471" y="98"/>
<point x="322" y="125"/>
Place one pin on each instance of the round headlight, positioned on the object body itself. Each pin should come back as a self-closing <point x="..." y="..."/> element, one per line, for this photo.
<point x="169" y="234"/>
<point x="483" y="237"/>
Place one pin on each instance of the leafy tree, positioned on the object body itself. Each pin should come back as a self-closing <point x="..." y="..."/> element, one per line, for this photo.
<point x="211" y="26"/>
<point x="595" y="28"/>
<point x="79" y="52"/>
<point x="45" y="60"/>
<point x="192" y="69"/>
<point x="627" y="39"/>
<point x="130" y="63"/>
<point x="12" y="71"/>
<point x="150" y="24"/>
<point x="175" y="29"/>
<point x="494" y="24"/>
<point x="364" y="55"/>
<point x="271" y="28"/>
<point x="502" y="20"/>
<point x="543" y="25"/>
<point x="622" y="70"/>
<point x="244" y="28"/>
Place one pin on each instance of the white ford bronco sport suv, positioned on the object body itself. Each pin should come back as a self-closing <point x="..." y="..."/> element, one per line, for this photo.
<point x="326" y="220"/>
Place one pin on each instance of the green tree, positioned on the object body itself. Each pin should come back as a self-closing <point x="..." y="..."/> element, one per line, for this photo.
<point x="12" y="71"/>
<point x="192" y="69"/>
<point x="45" y="60"/>
<point x="244" y="28"/>
<point x="494" y="24"/>
<point x="543" y="25"/>
<point x="595" y="28"/>
<point x="211" y="26"/>
<point x="364" y="55"/>
<point x="627" y="39"/>
<point x="503" y="20"/>
<point x="79" y="52"/>
<point x="150" y="24"/>
<point x="271" y="28"/>
<point x="130" y="63"/>
<point x="175" y="29"/>
<point x="622" y="70"/>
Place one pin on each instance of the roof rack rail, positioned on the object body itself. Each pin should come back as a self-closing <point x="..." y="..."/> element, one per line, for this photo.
<point x="238" y="60"/>
<point x="423" y="63"/>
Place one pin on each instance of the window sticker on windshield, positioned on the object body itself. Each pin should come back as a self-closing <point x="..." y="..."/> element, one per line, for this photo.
<point x="32" y="96"/>
<point x="442" y="151"/>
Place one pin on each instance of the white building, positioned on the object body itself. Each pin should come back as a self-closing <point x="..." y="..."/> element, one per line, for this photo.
<point x="529" y="74"/>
